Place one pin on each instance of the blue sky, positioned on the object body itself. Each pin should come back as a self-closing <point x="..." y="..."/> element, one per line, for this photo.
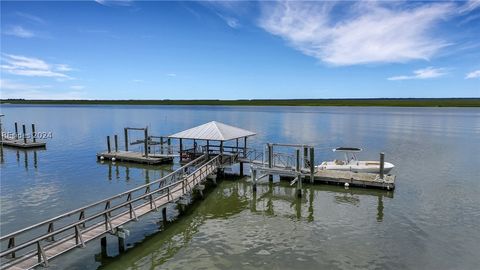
<point x="239" y="49"/>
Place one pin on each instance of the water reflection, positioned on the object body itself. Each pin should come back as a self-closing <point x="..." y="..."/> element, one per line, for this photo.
<point x="435" y="205"/>
<point x="148" y="172"/>
<point x="220" y="225"/>
<point x="26" y="157"/>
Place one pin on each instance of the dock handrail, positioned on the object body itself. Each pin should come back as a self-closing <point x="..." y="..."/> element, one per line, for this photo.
<point x="81" y="222"/>
<point x="101" y="201"/>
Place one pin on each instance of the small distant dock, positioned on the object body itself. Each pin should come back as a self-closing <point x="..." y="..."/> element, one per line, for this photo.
<point x="23" y="140"/>
<point x="156" y="150"/>
<point x="135" y="157"/>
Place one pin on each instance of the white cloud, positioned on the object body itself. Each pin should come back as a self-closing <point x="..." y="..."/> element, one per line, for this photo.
<point x="365" y="32"/>
<point x="11" y="89"/>
<point x="171" y="74"/>
<point x="469" y="6"/>
<point x="19" y="31"/>
<point x="473" y="75"/>
<point x="30" y="17"/>
<point x="138" y="81"/>
<point x="63" y="67"/>
<point x="425" y="73"/>
<point x="77" y="87"/>
<point x="230" y="21"/>
<point x="29" y="66"/>
<point x="115" y="2"/>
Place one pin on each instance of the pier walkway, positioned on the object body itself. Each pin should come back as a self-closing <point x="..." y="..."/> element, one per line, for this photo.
<point x="39" y="243"/>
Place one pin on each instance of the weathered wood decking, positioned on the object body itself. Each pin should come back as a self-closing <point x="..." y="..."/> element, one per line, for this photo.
<point x="22" y="144"/>
<point x="367" y="180"/>
<point x="80" y="234"/>
<point x="136" y="157"/>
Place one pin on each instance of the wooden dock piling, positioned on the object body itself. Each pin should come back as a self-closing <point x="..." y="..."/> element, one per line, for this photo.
<point x="382" y="164"/>
<point x="299" y="176"/>
<point x="125" y="130"/>
<point x="146" y="142"/>
<point x="16" y="131"/>
<point x="103" y="246"/>
<point x="24" y="134"/>
<point x="270" y="160"/>
<point x="312" y="164"/>
<point x="164" y="216"/>
<point x="34" y="135"/>
<point x="115" y="139"/>
<point x="108" y="144"/>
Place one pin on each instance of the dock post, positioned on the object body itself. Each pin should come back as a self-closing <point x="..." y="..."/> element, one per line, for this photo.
<point x="146" y="142"/>
<point x="161" y="145"/>
<point x="236" y="150"/>
<point x="181" y="150"/>
<point x="121" y="243"/>
<point x="24" y="134"/>
<point x="103" y="246"/>
<point x="245" y="147"/>
<point x="254" y="180"/>
<point x="194" y="148"/>
<point x="16" y="131"/>
<point x="241" y="168"/>
<point x="299" y="175"/>
<point x="312" y="165"/>
<point x="208" y="149"/>
<point x="126" y="139"/>
<point x="382" y="164"/>
<point x="108" y="144"/>
<point x="164" y="216"/>
<point x="33" y="133"/>
<point x="169" y="143"/>
<point x="115" y="139"/>
<point x="305" y="156"/>
<point x="270" y="160"/>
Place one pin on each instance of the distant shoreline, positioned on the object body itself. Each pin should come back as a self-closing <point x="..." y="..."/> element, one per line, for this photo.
<point x="383" y="102"/>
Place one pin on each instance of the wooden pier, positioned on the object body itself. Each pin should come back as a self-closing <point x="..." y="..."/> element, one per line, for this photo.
<point x="46" y="240"/>
<point x="39" y="243"/>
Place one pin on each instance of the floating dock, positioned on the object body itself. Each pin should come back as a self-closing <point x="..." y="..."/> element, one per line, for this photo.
<point x="136" y="157"/>
<point x="23" y="144"/>
<point x="18" y="140"/>
<point x="366" y="180"/>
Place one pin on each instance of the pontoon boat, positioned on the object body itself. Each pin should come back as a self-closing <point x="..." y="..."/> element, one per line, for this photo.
<point x="351" y="163"/>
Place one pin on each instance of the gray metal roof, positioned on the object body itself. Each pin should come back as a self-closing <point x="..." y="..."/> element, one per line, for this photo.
<point x="214" y="131"/>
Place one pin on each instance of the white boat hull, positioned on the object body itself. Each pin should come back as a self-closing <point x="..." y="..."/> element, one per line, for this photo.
<point x="355" y="166"/>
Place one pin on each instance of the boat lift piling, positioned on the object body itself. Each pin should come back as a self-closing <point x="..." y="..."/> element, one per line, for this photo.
<point x="382" y="164"/>
<point x="16" y="131"/>
<point x="299" y="175"/>
<point x="146" y="155"/>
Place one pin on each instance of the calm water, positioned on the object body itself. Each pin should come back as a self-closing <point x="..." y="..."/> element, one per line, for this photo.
<point x="429" y="222"/>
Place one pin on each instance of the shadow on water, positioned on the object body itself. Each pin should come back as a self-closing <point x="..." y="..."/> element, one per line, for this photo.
<point x="228" y="201"/>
